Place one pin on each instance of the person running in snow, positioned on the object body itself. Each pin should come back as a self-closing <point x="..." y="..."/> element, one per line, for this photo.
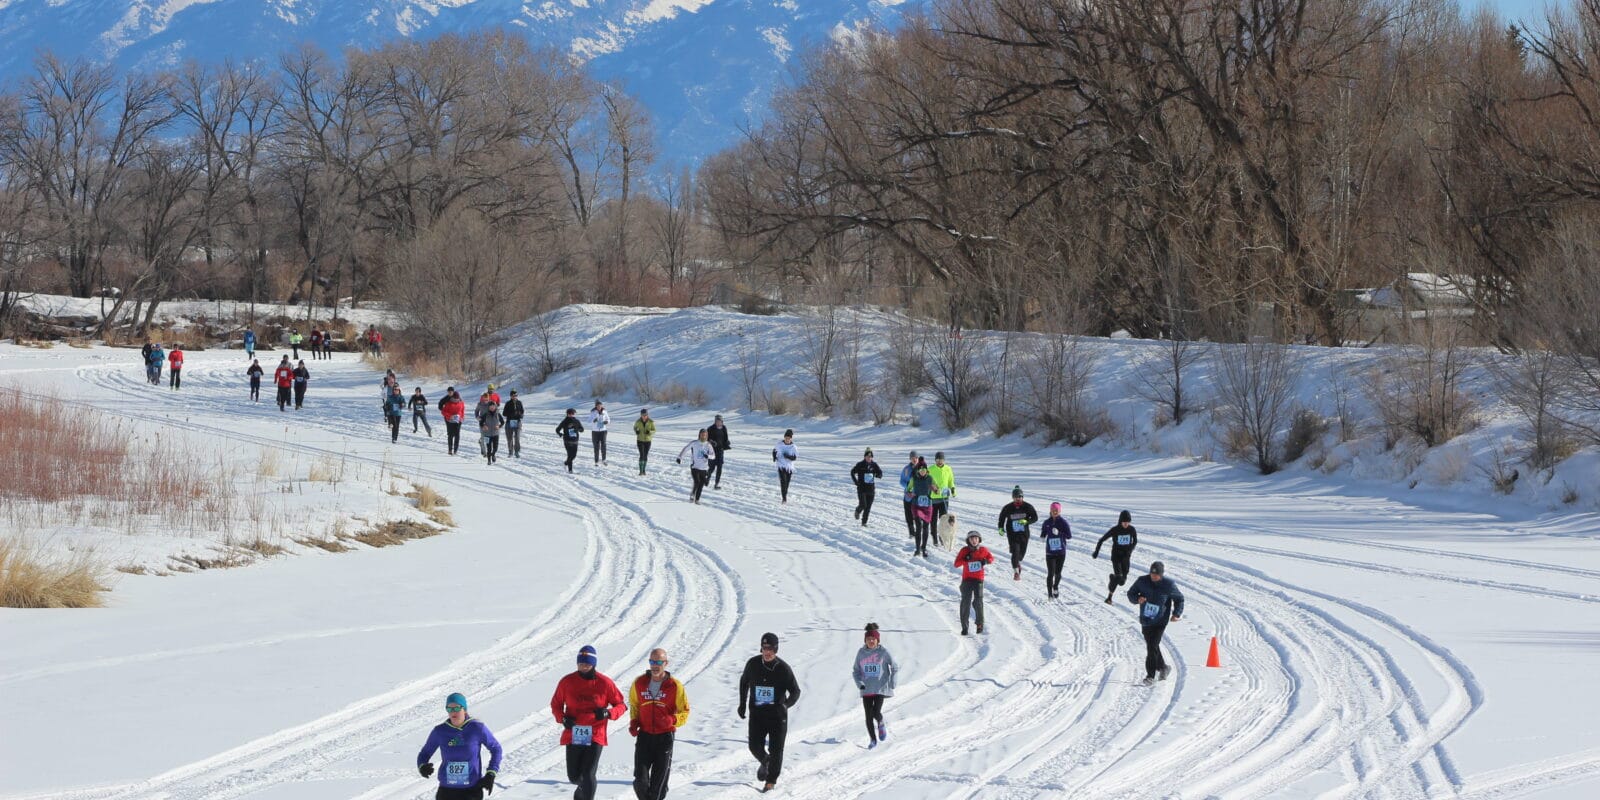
<point x="865" y="475"/>
<point x="1159" y="602"/>
<point x="584" y="702"/>
<point x="874" y="672"/>
<point x="644" y="430"/>
<point x="316" y="343"/>
<point x="944" y="490"/>
<point x="454" y="411"/>
<point x="144" y="359"/>
<point x="254" y="373"/>
<point x="717" y="434"/>
<point x="908" y="499"/>
<point x="1015" y="517"/>
<point x="569" y="430"/>
<point x="394" y="407"/>
<point x="599" y="420"/>
<point x="701" y="457"/>
<point x="327" y="345"/>
<point x="512" y="411"/>
<point x="784" y="455"/>
<point x="921" y="494"/>
<point x="769" y="690"/>
<point x="152" y="368"/>
<point x="376" y="340"/>
<point x="294" y="342"/>
<point x="460" y="741"/>
<point x="1056" y="533"/>
<point x="493" y="394"/>
<point x="250" y="345"/>
<point x="1123" y="539"/>
<point x="484" y="401"/>
<point x="419" y="412"/>
<point x="302" y="377"/>
<point x="390" y="381"/>
<point x="658" y="706"/>
<point x="972" y="560"/>
<point x="490" y="425"/>
<point x="175" y="358"/>
<point x="283" y="376"/>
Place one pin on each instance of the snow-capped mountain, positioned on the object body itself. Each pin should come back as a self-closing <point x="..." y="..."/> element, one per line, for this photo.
<point x="704" y="67"/>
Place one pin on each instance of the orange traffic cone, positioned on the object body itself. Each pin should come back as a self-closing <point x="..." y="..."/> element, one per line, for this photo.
<point x="1213" y="660"/>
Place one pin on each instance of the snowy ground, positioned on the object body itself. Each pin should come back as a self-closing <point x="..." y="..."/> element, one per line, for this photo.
<point x="181" y="312"/>
<point x="1375" y="642"/>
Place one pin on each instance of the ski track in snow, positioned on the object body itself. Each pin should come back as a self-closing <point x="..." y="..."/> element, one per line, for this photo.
<point x="1313" y="686"/>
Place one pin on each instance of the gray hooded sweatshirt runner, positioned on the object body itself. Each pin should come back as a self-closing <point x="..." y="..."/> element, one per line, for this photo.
<point x="874" y="671"/>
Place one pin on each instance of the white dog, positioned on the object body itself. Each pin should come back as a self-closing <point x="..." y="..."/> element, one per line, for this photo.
<point x="947" y="532"/>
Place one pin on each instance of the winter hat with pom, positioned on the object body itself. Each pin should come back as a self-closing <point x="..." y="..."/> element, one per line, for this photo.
<point x="588" y="655"/>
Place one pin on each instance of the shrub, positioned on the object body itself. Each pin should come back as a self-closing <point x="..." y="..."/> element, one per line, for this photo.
<point x="28" y="580"/>
<point x="1254" y="385"/>
<point x="603" y="384"/>
<point x="1417" y="391"/>
<point x="1305" y="429"/>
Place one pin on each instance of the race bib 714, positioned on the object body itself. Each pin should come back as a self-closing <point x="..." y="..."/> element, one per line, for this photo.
<point x="582" y="734"/>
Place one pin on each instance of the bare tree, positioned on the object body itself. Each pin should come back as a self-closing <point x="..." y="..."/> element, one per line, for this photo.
<point x="1417" y="390"/>
<point x="1164" y="380"/>
<point x="1057" y="373"/>
<point x="1255" y="392"/>
<point x="752" y="369"/>
<point x="956" y="378"/>
<point x="820" y="343"/>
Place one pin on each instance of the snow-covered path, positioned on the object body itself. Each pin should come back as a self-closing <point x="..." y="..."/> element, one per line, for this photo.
<point x="1371" y="647"/>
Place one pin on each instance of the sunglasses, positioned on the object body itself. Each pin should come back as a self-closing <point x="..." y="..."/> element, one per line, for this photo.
<point x="655" y="663"/>
<point x="454" y="709"/>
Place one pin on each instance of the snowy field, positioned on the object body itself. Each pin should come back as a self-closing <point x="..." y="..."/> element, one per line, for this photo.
<point x="1376" y="641"/>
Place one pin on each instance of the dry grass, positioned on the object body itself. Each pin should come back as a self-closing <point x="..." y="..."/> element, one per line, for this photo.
<point x="427" y="499"/>
<point x="395" y="532"/>
<point x="331" y="544"/>
<point x="442" y="517"/>
<point x="30" y="581"/>
<point x="270" y="465"/>
<point x="326" y="470"/>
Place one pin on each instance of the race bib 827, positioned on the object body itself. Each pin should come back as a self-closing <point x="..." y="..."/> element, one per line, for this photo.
<point x="456" y="773"/>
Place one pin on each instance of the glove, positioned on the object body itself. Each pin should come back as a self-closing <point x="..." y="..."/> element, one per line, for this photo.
<point x="568" y="721"/>
<point x="861" y="686"/>
<point x="426" y="769"/>
<point x="680" y="461"/>
<point x="602" y="713"/>
<point x="487" y="783"/>
<point x="741" y="712"/>
<point x="633" y="727"/>
<point x="952" y="494"/>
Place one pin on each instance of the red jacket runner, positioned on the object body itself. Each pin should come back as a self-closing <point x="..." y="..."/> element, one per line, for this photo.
<point x="971" y="562"/>
<point x="579" y="697"/>
<point x="284" y="376"/>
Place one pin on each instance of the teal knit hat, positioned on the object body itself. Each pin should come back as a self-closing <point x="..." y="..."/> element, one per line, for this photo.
<point x="456" y="699"/>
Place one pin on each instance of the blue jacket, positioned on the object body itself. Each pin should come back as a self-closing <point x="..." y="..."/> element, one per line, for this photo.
<point x="158" y="357"/>
<point x="905" y="480"/>
<point x="1161" y="600"/>
<point x="459" y="748"/>
<point x="1055" y="532"/>
<point x="250" y="339"/>
<point x="394" y="405"/>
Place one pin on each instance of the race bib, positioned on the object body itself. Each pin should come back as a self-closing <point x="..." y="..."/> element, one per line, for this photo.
<point x="457" y="773"/>
<point x="1054" y="545"/>
<point x="513" y="423"/>
<point x="924" y="502"/>
<point x="975" y="567"/>
<point x="1151" y="610"/>
<point x="582" y="734"/>
<point x="872" y="670"/>
<point x="1019" y="525"/>
<point x="1123" y="540"/>
<point x="867" y="478"/>
<point x="764" y="695"/>
<point x="456" y="418"/>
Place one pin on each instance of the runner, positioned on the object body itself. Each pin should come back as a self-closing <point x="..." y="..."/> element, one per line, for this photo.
<point x="1056" y="533"/>
<point x="460" y="740"/>
<point x="921" y="493"/>
<point x="769" y="689"/>
<point x="1124" y="539"/>
<point x="584" y="702"/>
<point x="175" y="358"/>
<point x="478" y="411"/>
<point x="302" y="377"/>
<point x="784" y="455"/>
<point x="865" y="475"/>
<point x="1015" y="517"/>
<point x="874" y="672"/>
<point x="283" y="376"/>
<point x="144" y="359"/>
<point x="255" y="372"/>
<point x="909" y="499"/>
<point x="152" y="368"/>
<point x="944" y="483"/>
<point x="658" y="706"/>
<point x="512" y="412"/>
<point x="972" y="560"/>
<point x="489" y="426"/>
<point x="569" y="430"/>
<point x="717" y="434"/>
<point x="419" y="412"/>
<point x="1159" y="601"/>
<point x="327" y="345"/>
<point x="250" y="345"/>
<point x="644" y="430"/>
<point x="315" y="342"/>
<point x="294" y="342"/>
<point x="454" y="411"/>
<point x="599" y="420"/>
<point x="701" y="456"/>
<point x="394" y="407"/>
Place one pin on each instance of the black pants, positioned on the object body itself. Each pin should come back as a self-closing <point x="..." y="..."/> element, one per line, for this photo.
<point x="865" y="494"/>
<point x="1019" y="548"/>
<point x="1052" y="567"/>
<point x="299" y="395"/>
<point x="699" y="476"/>
<point x="514" y="439"/>
<point x="283" y="397"/>
<point x="971" y="599"/>
<point x="582" y="762"/>
<point x="939" y="509"/>
<point x="491" y="445"/>
<point x="644" y="455"/>
<point x="177" y="378"/>
<point x="1153" y="662"/>
<point x="599" y="438"/>
<point x="921" y="532"/>
<point x="457" y="793"/>
<point x="296" y="351"/>
<point x="652" y="765"/>
<point x="327" y="350"/>
<point x="422" y="417"/>
<point x="714" y="472"/>
<point x="1119" y="570"/>
<point x="873" y="705"/>
<point x="784" y="476"/>
<point x="572" y="452"/>
<point x="911" y="518"/>
<point x="766" y="742"/>
<point x="394" y="427"/>
<point x="452" y="437"/>
<point x="255" y="389"/>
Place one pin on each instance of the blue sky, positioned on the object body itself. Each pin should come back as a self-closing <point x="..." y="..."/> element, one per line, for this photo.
<point x="1523" y="9"/>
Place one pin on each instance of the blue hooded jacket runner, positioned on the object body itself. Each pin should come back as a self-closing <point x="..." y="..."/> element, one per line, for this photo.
<point x="459" y="751"/>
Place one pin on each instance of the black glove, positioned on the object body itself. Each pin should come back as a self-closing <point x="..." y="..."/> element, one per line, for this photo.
<point x="741" y="712"/>
<point x="861" y="686"/>
<point x="426" y="769"/>
<point x="487" y="784"/>
<point x="568" y="721"/>
<point x="602" y="713"/>
<point x="680" y="461"/>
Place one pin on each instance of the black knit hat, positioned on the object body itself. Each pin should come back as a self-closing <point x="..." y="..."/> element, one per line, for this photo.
<point x="769" y="639"/>
<point x="1124" y="517"/>
<point x="1016" y="491"/>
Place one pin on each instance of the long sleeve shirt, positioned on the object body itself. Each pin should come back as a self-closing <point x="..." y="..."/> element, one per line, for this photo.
<point x="769" y="690"/>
